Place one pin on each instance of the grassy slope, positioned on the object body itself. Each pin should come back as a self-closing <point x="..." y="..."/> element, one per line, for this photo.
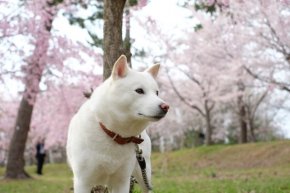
<point x="249" y="168"/>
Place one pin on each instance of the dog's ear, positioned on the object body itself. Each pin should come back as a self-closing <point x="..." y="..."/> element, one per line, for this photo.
<point x="153" y="70"/>
<point x="120" y="68"/>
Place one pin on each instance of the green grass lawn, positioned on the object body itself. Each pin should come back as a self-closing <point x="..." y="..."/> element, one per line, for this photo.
<point x="250" y="168"/>
<point x="57" y="178"/>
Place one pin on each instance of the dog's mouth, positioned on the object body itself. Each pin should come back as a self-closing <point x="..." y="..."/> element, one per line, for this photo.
<point x="155" y="117"/>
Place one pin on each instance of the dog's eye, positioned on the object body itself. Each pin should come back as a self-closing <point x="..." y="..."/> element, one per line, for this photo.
<point x="157" y="92"/>
<point x="140" y="91"/>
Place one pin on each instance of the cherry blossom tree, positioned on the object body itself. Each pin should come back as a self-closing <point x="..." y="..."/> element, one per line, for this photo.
<point x="37" y="25"/>
<point x="211" y="67"/>
<point x="47" y="59"/>
<point x="206" y="67"/>
<point x="264" y="31"/>
<point x="33" y="71"/>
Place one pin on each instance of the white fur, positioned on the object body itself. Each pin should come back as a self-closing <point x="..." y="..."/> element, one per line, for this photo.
<point x="94" y="157"/>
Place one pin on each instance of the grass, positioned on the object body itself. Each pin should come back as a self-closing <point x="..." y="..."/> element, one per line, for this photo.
<point x="57" y="178"/>
<point x="249" y="168"/>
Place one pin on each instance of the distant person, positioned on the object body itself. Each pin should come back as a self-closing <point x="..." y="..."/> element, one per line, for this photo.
<point x="40" y="156"/>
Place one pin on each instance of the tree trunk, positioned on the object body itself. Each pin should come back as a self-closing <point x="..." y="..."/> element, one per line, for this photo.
<point x="243" y="124"/>
<point x="127" y="40"/>
<point x="252" y="128"/>
<point x="113" y="44"/>
<point x="34" y="70"/>
<point x="242" y="113"/>
<point x="113" y="48"/>
<point x="16" y="163"/>
<point x="208" y="133"/>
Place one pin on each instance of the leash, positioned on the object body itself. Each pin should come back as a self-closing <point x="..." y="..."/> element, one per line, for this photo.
<point x="132" y="182"/>
<point x="142" y="164"/>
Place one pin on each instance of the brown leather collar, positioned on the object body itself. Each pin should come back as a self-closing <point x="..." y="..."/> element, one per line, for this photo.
<point x="119" y="139"/>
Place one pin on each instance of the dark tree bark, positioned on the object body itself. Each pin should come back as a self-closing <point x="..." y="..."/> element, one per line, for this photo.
<point x="251" y="115"/>
<point x="243" y="138"/>
<point x="16" y="163"/>
<point x="127" y="40"/>
<point x="208" y="133"/>
<point x="243" y="124"/>
<point x="113" y="47"/>
<point x="252" y="130"/>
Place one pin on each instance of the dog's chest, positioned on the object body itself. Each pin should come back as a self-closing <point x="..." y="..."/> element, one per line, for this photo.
<point x="101" y="152"/>
<point x="114" y="159"/>
<point x="106" y="153"/>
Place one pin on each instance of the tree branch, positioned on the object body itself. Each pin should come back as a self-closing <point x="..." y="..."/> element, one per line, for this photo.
<point x="282" y="86"/>
<point x="190" y="77"/>
<point x="279" y="46"/>
<point x="182" y="98"/>
<point x="254" y="109"/>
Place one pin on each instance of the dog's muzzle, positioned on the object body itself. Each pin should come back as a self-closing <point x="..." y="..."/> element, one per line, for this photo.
<point x="163" y="110"/>
<point x="164" y="107"/>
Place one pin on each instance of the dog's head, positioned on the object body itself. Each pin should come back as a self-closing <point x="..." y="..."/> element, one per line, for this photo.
<point x="135" y="94"/>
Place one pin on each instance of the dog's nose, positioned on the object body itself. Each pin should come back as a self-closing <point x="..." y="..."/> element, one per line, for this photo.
<point x="164" y="107"/>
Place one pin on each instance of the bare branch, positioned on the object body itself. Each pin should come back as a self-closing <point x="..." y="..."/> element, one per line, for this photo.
<point x="254" y="109"/>
<point x="282" y="86"/>
<point x="6" y="72"/>
<point x="278" y="44"/>
<point x="182" y="98"/>
<point x="190" y="76"/>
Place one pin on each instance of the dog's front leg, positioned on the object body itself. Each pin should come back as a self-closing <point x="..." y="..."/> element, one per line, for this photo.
<point x="80" y="186"/>
<point x="120" y="181"/>
<point x="121" y="186"/>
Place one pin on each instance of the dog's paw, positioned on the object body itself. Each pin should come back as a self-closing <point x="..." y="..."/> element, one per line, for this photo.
<point x="99" y="189"/>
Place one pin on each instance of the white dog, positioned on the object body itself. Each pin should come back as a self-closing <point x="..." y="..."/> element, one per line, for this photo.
<point x="103" y="134"/>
